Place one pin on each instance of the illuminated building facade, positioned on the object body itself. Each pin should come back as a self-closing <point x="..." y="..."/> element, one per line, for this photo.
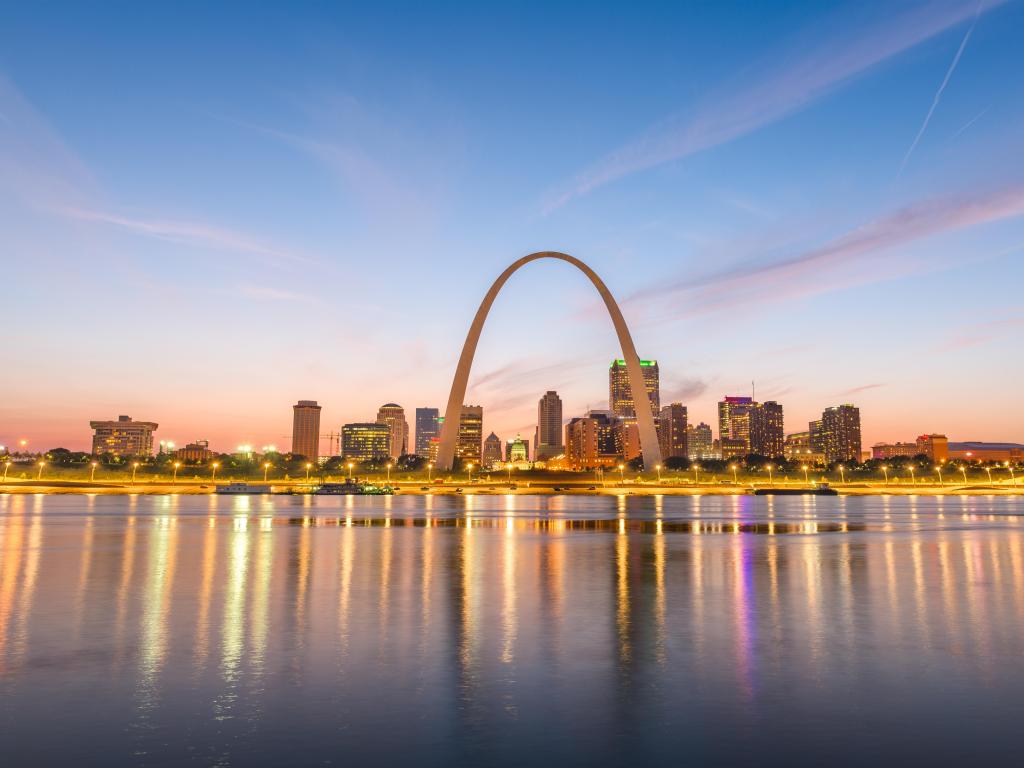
<point x="547" y="441"/>
<point x="699" y="443"/>
<point x="620" y="394"/>
<point x="364" y="441"/>
<point x="734" y="421"/>
<point x="798" y="448"/>
<point x="891" y="450"/>
<point x="935" y="447"/>
<point x="728" y="448"/>
<point x="627" y="439"/>
<point x="977" y="451"/>
<point x="517" y="450"/>
<point x="471" y="433"/>
<point x="306" y="429"/>
<point x="197" y="452"/>
<point x="840" y="427"/>
<point x="123" y="437"/>
<point x="393" y="415"/>
<point x="492" y="451"/>
<point x="767" y="434"/>
<point x="428" y="426"/>
<point x="672" y="431"/>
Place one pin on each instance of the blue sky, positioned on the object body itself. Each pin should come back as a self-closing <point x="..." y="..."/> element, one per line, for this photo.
<point x="207" y="213"/>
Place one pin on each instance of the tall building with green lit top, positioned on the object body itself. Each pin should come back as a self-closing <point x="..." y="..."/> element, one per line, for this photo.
<point x="620" y="395"/>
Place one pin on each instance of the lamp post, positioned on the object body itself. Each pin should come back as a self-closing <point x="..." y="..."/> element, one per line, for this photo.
<point x="39" y="476"/>
<point x="469" y="469"/>
<point x="177" y="464"/>
<point x="1013" y="479"/>
<point x="806" y="480"/>
<point x="989" y="471"/>
<point x="135" y="468"/>
<point x="92" y="472"/>
<point x="963" y="470"/>
<point x="350" y="465"/>
<point x="885" y="472"/>
<point x="939" y="470"/>
<point x="266" y="470"/>
<point x="770" y="480"/>
<point x="7" y="466"/>
<point x="309" y="466"/>
<point x="389" y="473"/>
<point x="430" y="469"/>
<point x="913" y="480"/>
<point x="735" y="478"/>
<point x="213" y="477"/>
<point x="842" y="474"/>
<point x="658" y="468"/>
<point x="696" y="475"/>
<point x="622" y="474"/>
<point x="509" y="468"/>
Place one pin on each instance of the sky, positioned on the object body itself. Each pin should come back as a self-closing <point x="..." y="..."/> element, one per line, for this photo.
<point x="211" y="211"/>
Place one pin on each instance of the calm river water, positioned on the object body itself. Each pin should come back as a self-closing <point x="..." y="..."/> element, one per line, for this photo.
<point x="510" y="630"/>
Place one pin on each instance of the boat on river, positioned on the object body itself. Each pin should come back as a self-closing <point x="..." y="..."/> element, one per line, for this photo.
<point x="821" y="489"/>
<point x="243" y="489"/>
<point x="353" y="488"/>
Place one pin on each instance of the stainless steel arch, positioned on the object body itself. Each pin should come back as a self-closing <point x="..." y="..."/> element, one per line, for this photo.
<point x="645" y="420"/>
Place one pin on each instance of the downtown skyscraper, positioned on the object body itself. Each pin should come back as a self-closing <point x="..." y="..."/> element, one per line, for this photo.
<point x="840" y="433"/>
<point x="547" y="441"/>
<point x="393" y="415"/>
<point x="620" y="394"/>
<point x="428" y="427"/>
<point x="767" y="434"/>
<point x="306" y="429"/>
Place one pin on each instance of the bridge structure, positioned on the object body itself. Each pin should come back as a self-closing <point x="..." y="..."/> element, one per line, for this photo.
<point x="645" y="419"/>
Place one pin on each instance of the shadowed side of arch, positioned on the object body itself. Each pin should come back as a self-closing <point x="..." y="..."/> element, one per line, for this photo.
<point x="453" y="412"/>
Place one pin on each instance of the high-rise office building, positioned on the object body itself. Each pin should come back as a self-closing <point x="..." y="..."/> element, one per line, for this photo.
<point x="306" y="429"/>
<point x="816" y="436"/>
<point x="672" y="431"/>
<point x="548" y="439"/>
<point x="734" y="422"/>
<point x="471" y="433"/>
<point x="767" y="435"/>
<point x="123" y="437"/>
<point x="620" y="394"/>
<point x="366" y="440"/>
<point x="841" y="433"/>
<point x="699" y="442"/>
<point x="393" y="415"/>
<point x="581" y="443"/>
<point x="492" y="451"/>
<point x="428" y="426"/>
<point x="627" y="439"/>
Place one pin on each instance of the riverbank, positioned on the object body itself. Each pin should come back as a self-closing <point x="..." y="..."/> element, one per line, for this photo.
<point x="523" y="489"/>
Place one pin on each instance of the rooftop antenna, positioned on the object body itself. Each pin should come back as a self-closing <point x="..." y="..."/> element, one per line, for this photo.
<point x="753" y="392"/>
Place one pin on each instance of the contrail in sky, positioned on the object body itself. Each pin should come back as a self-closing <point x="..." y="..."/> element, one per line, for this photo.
<point x="938" y="93"/>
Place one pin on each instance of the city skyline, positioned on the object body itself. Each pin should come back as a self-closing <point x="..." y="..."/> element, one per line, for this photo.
<point x="814" y="244"/>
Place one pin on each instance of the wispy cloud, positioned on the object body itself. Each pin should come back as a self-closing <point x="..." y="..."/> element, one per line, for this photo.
<point x="858" y="390"/>
<point x="808" y="272"/>
<point x="263" y="292"/>
<point x="781" y="91"/>
<point x="191" y="233"/>
<point x="938" y="94"/>
<point x="982" y="333"/>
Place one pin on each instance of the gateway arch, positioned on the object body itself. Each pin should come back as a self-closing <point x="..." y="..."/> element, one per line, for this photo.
<point x="452" y="414"/>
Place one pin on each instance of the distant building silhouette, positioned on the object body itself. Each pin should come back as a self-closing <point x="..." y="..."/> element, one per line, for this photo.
<point x="840" y="427"/>
<point x="306" y="429"/>
<point x="123" y="437"/>
<point x="699" y="442"/>
<point x="198" y="452"/>
<point x="492" y="451"/>
<point x="935" y="447"/>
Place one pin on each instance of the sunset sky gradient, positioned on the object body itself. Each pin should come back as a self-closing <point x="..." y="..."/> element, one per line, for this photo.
<point x="208" y="212"/>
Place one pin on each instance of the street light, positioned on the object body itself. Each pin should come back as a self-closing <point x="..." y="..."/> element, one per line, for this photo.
<point x="842" y="474"/>
<point x="885" y="471"/>
<point x="963" y="469"/>
<point x="939" y="470"/>
<point x="770" y="468"/>
<point x="469" y="469"/>
<point x="213" y="479"/>
<point x="509" y="468"/>
<point x="622" y="474"/>
<point x="350" y="465"/>
<point x="40" y="475"/>
<point x="7" y="466"/>
<point x="135" y="468"/>
<point x="989" y="470"/>
<point x="177" y="464"/>
<point x="913" y="480"/>
<point x="92" y="472"/>
<point x="696" y="470"/>
<point x="266" y="469"/>
<point x="1013" y="479"/>
<point x="806" y="481"/>
<point x="309" y="466"/>
<point x="735" y="479"/>
<point x="430" y="468"/>
<point x="389" y="474"/>
<point x="658" y="468"/>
